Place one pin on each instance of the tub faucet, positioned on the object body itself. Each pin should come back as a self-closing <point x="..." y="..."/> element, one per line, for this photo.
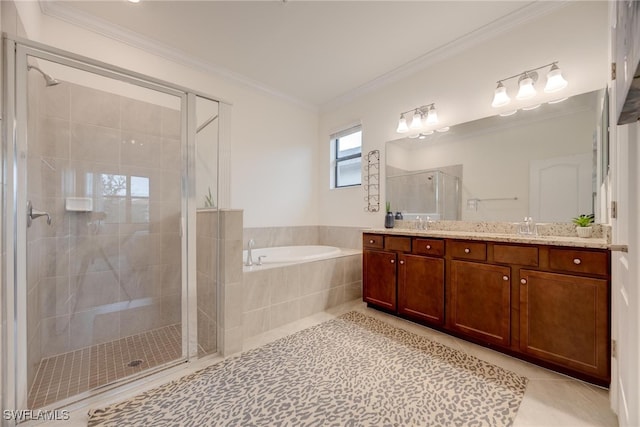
<point x="249" y="259"/>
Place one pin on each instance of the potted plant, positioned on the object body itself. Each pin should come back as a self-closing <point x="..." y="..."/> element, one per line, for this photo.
<point x="583" y="225"/>
<point x="388" y="219"/>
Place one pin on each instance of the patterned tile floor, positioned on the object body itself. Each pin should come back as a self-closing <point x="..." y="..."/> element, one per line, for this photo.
<point x="65" y="375"/>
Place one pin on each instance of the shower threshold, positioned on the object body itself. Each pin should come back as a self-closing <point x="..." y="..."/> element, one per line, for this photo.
<point x="68" y="374"/>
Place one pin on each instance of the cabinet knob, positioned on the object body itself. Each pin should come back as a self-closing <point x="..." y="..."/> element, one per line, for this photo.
<point x="428" y="247"/>
<point x="393" y="261"/>
<point x="577" y="261"/>
<point x="505" y="278"/>
<point x="372" y="241"/>
<point x="401" y="262"/>
<point x="523" y="281"/>
<point x="467" y="250"/>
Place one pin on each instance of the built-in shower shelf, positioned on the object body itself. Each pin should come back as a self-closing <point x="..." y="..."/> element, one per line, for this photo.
<point x="79" y="204"/>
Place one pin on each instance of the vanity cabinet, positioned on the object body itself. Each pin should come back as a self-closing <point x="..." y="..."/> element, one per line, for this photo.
<point x="405" y="275"/>
<point x="421" y="288"/>
<point x="547" y="304"/>
<point x="379" y="278"/>
<point x="564" y="318"/>
<point x="480" y="301"/>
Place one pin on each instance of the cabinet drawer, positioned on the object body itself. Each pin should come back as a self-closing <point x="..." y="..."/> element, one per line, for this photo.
<point x="395" y="243"/>
<point x="428" y="247"/>
<point x="372" y="241"/>
<point x="578" y="261"/>
<point x="519" y="255"/>
<point x="467" y="250"/>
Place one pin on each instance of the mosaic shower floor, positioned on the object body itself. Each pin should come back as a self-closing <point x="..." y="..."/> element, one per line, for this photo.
<point x="68" y="374"/>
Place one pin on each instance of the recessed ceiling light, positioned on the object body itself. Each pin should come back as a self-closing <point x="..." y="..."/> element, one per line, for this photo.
<point x="133" y="1"/>
<point x="508" y="113"/>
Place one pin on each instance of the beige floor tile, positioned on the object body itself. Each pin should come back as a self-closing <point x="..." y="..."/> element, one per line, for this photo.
<point x="550" y="400"/>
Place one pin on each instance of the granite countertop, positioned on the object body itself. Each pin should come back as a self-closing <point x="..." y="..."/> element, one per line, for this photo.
<point x="593" y="242"/>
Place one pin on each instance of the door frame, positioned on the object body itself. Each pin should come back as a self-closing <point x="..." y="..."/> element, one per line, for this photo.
<point x="625" y="232"/>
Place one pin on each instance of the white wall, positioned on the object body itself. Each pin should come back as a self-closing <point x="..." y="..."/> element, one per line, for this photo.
<point x="273" y="165"/>
<point x="462" y="88"/>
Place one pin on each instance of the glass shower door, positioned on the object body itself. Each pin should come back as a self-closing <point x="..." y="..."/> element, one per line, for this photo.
<point x="104" y="244"/>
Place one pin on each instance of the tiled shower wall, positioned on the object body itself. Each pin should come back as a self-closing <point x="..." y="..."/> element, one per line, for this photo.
<point x="115" y="271"/>
<point x="207" y="241"/>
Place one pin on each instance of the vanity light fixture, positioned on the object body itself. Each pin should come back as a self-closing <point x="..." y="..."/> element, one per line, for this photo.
<point x="417" y="120"/>
<point x="500" y="96"/>
<point x="402" y="124"/>
<point x="555" y="81"/>
<point x="432" y="115"/>
<point x="526" y="84"/>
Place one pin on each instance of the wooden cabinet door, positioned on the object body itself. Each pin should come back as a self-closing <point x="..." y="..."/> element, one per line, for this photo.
<point x="564" y="319"/>
<point x="379" y="279"/>
<point x="421" y="288"/>
<point x="479" y="304"/>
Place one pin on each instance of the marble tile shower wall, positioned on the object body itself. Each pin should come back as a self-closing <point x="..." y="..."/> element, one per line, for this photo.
<point x="207" y="241"/>
<point x="115" y="271"/>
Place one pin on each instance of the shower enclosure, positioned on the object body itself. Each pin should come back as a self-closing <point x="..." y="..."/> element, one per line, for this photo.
<point x="100" y="197"/>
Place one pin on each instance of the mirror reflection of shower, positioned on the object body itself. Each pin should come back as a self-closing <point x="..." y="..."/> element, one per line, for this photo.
<point x="50" y="81"/>
<point x="435" y="193"/>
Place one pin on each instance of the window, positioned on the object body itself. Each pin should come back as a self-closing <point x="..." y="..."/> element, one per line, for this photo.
<point x="124" y="198"/>
<point x="346" y="149"/>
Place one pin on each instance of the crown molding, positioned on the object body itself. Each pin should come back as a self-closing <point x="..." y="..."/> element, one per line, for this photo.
<point x="115" y="32"/>
<point x="495" y="28"/>
<point x="491" y="30"/>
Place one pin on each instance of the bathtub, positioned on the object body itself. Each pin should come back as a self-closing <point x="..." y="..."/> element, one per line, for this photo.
<point x="283" y="255"/>
<point x="294" y="282"/>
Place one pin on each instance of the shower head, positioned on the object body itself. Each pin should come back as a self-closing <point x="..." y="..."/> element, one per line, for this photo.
<point x="50" y="81"/>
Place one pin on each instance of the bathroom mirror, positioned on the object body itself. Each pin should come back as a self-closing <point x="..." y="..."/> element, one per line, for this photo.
<point x="545" y="163"/>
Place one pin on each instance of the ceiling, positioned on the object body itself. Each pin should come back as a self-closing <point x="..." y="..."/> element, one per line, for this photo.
<point x="315" y="52"/>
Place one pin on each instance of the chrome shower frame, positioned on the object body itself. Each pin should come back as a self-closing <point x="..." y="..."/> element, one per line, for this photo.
<point x="14" y="330"/>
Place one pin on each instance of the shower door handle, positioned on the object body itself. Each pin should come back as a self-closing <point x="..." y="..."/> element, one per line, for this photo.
<point x="33" y="214"/>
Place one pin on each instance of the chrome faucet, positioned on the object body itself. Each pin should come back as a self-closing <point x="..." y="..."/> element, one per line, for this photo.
<point x="250" y="245"/>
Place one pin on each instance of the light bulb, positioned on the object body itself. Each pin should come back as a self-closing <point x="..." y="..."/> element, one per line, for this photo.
<point x="526" y="90"/>
<point x="500" y="97"/>
<point x="555" y="81"/>
<point x="416" y="122"/>
<point x="402" y="125"/>
<point x="432" y="116"/>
